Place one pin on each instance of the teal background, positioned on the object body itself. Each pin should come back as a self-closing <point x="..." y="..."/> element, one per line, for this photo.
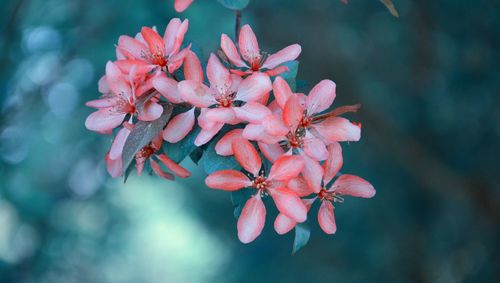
<point x="429" y="84"/>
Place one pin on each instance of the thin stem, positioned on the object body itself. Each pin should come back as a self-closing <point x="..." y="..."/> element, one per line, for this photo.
<point x="337" y="111"/>
<point x="237" y="25"/>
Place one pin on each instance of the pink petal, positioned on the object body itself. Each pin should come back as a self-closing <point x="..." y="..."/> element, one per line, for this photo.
<point x="326" y="218"/>
<point x="117" y="81"/>
<point x="271" y="151"/>
<point x="157" y="169"/>
<point x="321" y="97"/>
<point x="286" y="54"/>
<point x="192" y="67"/>
<point x="281" y="91"/>
<point x="179" y="37"/>
<point x="231" y="52"/>
<point x="254" y="87"/>
<point x="174" y="167"/>
<point x="315" y="148"/>
<point x="251" y="220"/>
<point x="277" y="71"/>
<point x="103" y="120"/>
<point x="221" y="115"/>
<point x="312" y="172"/>
<point x="114" y="167"/>
<point x="283" y="224"/>
<point x="257" y="132"/>
<point x="338" y="129"/>
<point x="218" y="75"/>
<point x="131" y="47"/>
<point x="247" y="156"/>
<point x="229" y="180"/>
<point x="196" y="93"/>
<point x="150" y="111"/>
<point x="103" y="85"/>
<point x="102" y="103"/>
<point x="179" y="126"/>
<point x="252" y="112"/>
<point x="293" y="112"/>
<point x="275" y="126"/>
<point x="353" y="186"/>
<point x="286" y="167"/>
<point x="224" y="146"/>
<point x="167" y="87"/>
<point x="117" y="146"/>
<point x="154" y="41"/>
<point x="181" y="5"/>
<point x="175" y="60"/>
<point x="249" y="47"/>
<point x="333" y="163"/>
<point x="170" y="34"/>
<point x="300" y="187"/>
<point x="206" y="135"/>
<point x="289" y="204"/>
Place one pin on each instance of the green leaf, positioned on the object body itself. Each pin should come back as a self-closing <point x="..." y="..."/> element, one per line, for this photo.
<point x="212" y="162"/>
<point x="178" y="151"/>
<point x="302" y="233"/>
<point x="390" y="6"/>
<point x="142" y="134"/>
<point x="290" y="76"/>
<point x="234" y="4"/>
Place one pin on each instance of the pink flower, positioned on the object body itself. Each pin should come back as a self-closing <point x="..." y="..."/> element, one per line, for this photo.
<point x="252" y="218"/>
<point x="122" y="100"/>
<point x="253" y="60"/>
<point x="149" y="46"/>
<point x="219" y="102"/>
<point x="344" y="185"/>
<point x="150" y="152"/>
<point x="295" y="124"/>
<point x="181" y="5"/>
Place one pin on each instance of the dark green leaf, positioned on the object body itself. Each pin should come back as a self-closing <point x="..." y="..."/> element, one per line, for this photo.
<point x="290" y="76"/>
<point x="178" y="151"/>
<point x="302" y="233"/>
<point x="390" y="6"/>
<point x="234" y="4"/>
<point x="142" y="133"/>
<point x="196" y="154"/>
<point x="212" y="162"/>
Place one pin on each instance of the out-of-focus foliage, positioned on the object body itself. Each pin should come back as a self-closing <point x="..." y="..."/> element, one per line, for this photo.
<point x="428" y="82"/>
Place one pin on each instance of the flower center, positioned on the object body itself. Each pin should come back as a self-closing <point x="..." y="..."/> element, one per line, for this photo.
<point x="296" y="140"/>
<point x="145" y="152"/>
<point x="260" y="182"/>
<point x="226" y="100"/>
<point x="331" y="196"/>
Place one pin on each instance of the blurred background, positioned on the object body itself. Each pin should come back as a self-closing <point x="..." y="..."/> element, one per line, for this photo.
<point x="429" y="83"/>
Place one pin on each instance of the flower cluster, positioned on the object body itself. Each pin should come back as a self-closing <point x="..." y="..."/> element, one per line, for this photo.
<point x="286" y="144"/>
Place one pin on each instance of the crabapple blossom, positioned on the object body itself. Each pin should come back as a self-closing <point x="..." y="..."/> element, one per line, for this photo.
<point x="181" y="5"/>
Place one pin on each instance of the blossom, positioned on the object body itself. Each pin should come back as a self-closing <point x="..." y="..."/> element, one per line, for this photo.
<point x="150" y="152"/>
<point x="252" y="218"/>
<point x="344" y="185"/>
<point x="181" y="5"/>
<point x="122" y="99"/>
<point x="220" y="102"/>
<point x="164" y="53"/>
<point x="252" y="59"/>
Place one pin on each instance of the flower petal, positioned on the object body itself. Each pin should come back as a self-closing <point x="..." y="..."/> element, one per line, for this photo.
<point x="286" y="54"/>
<point x="150" y="111"/>
<point x="170" y="34"/>
<point x="254" y="87"/>
<point x="224" y="146"/>
<point x="247" y="156"/>
<point x="275" y="126"/>
<point x="218" y="75"/>
<point x="289" y="204"/>
<point x="353" y="186"/>
<point x="293" y="112"/>
<point x="206" y="135"/>
<point x="117" y="82"/>
<point x="321" y="97"/>
<point x="181" y="5"/>
<point x="103" y="120"/>
<point x="338" y="129"/>
<point x="271" y="151"/>
<point x="286" y="167"/>
<point x="283" y="224"/>
<point x="131" y="48"/>
<point x="249" y="47"/>
<point x="227" y="45"/>
<point x="157" y="169"/>
<point x="224" y="115"/>
<point x="229" y="180"/>
<point x="326" y="218"/>
<point x="179" y="37"/>
<point x="252" y="112"/>
<point x="258" y="132"/>
<point x="282" y="91"/>
<point x="167" y="87"/>
<point x="114" y="167"/>
<point x="251" y="220"/>
<point x="196" y="93"/>
<point x="117" y="146"/>
<point x="179" y="126"/>
<point x="101" y="103"/>
<point x="299" y="186"/>
<point x="333" y="163"/>
<point x="312" y="172"/>
<point x="192" y="67"/>
<point x="174" y="167"/>
<point x="315" y="148"/>
<point x="154" y="41"/>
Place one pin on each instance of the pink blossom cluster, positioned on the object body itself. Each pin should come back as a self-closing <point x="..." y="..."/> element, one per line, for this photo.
<point x="244" y="97"/>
